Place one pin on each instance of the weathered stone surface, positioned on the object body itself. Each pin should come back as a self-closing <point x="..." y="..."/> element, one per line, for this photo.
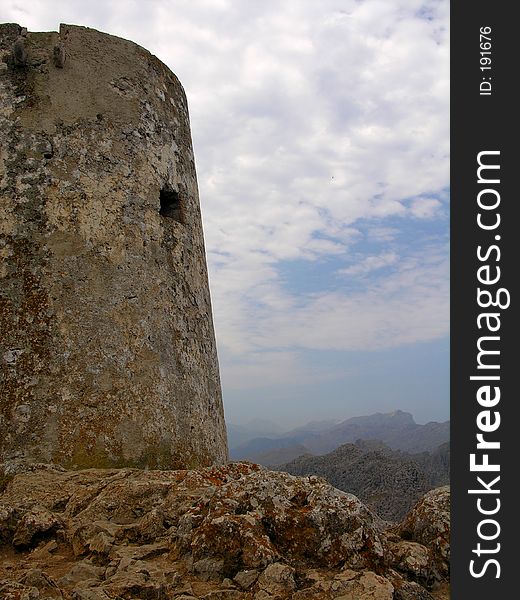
<point x="90" y="594"/>
<point x="9" y="518"/>
<point x="368" y="586"/>
<point x="409" y="590"/>
<point x="256" y="519"/>
<point x="35" y="523"/>
<point x="428" y="523"/>
<point x="277" y="579"/>
<point x="306" y="540"/>
<point x="84" y="573"/>
<point x="10" y="590"/>
<point x="413" y="559"/>
<point x="224" y="595"/>
<point x="36" y="578"/>
<point x="245" y="579"/>
<point x="107" y="353"/>
<point x="209" y="568"/>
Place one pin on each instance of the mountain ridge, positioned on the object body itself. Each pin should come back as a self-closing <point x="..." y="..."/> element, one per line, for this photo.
<point x="388" y="481"/>
<point x="396" y="429"/>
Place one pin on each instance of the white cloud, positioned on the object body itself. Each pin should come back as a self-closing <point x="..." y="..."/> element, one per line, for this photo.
<point x="425" y="208"/>
<point x="314" y="129"/>
<point x="368" y="264"/>
<point x="409" y="305"/>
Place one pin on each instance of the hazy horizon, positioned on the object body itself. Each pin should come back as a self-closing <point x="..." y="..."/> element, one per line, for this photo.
<point x="321" y="138"/>
<point x="287" y="425"/>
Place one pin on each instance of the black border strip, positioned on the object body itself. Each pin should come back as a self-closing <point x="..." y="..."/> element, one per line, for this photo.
<point x="484" y="122"/>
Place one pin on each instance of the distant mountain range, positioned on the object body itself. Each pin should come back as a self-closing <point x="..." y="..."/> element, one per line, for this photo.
<point x="389" y="481"/>
<point x="398" y="430"/>
<point x="240" y="435"/>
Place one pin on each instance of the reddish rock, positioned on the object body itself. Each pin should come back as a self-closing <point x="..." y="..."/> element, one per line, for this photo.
<point x="237" y="532"/>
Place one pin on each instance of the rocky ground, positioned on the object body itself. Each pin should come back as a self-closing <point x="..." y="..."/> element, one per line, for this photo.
<point x="238" y="532"/>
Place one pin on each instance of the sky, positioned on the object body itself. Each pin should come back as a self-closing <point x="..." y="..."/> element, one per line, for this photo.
<point x="321" y="137"/>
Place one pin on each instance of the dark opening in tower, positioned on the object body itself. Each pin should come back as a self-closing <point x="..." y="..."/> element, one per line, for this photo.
<point x="170" y="204"/>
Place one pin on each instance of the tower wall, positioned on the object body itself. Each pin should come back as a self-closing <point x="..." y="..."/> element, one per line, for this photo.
<point x="108" y="353"/>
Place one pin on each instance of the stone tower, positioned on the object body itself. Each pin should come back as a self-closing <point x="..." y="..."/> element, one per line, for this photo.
<point x="108" y="353"/>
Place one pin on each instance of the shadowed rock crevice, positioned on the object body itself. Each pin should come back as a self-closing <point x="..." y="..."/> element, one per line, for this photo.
<point x="170" y="204"/>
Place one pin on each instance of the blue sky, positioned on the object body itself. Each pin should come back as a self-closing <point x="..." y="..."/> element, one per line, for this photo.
<point x="321" y="135"/>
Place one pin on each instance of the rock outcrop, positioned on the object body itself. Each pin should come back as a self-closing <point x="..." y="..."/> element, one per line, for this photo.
<point x="389" y="481"/>
<point x="428" y="523"/>
<point x="238" y="532"/>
